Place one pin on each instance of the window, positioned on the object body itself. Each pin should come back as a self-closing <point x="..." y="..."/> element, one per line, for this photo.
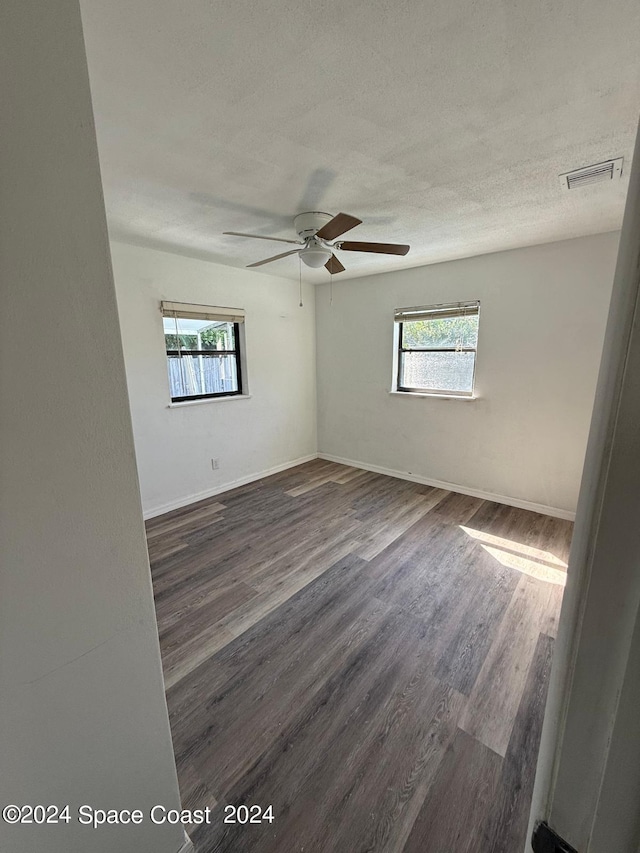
<point x="437" y="349"/>
<point x="203" y="350"/>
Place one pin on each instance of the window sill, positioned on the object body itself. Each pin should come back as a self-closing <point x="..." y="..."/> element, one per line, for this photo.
<point x="433" y="396"/>
<point x="184" y="403"/>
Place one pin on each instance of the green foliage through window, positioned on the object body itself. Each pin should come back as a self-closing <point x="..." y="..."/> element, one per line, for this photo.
<point x="457" y="332"/>
<point x="212" y="338"/>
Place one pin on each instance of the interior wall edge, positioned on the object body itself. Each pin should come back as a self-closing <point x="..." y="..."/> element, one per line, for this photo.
<point x="555" y="512"/>
<point x="187" y="847"/>
<point x="600" y="604"/>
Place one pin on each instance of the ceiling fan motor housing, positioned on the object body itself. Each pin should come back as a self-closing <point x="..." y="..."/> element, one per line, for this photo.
<point x="307" y="224"/>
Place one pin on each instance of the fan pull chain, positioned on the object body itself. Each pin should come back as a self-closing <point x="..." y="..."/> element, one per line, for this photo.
<point x="300" y="277"/>
<point x="331" y="289"/>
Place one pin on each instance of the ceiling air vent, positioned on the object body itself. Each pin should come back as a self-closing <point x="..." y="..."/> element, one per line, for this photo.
<point x="607" y="171"/>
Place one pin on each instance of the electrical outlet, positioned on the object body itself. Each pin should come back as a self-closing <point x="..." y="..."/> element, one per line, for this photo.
<point x="215" y="464"/>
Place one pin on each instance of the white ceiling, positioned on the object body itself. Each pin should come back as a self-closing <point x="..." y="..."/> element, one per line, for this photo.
<point x="442" y="124"/>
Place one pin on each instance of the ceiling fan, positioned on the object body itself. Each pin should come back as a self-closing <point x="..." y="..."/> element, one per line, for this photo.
<point x="318" y="232"/>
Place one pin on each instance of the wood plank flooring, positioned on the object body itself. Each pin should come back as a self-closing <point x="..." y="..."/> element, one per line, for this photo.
<point x="367" y="655"/>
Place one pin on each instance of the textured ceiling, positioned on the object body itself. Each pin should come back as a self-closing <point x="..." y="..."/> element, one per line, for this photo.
<point x="442" y="124"/>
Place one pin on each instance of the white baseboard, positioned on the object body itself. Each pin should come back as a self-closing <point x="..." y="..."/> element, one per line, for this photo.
<point x="454" y="487"/>
<point x="187" y="847"/>
<point x="160" y="509"/>
<point x="543" y="509"/>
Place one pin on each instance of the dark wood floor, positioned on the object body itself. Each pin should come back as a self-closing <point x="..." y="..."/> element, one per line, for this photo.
<point x="367" y="655"/>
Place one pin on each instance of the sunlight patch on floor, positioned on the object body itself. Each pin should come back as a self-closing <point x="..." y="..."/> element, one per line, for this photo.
<point x="542" y="565"/>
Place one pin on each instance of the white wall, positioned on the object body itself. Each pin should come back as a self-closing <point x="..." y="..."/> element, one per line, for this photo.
<point x="83" y="716"/>
<point x="543" y="314"/>
<point x="276" y="427"/>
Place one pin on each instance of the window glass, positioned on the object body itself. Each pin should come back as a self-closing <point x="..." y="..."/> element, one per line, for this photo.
<point x="200" y="375"/>
<point x="438" y="371"/>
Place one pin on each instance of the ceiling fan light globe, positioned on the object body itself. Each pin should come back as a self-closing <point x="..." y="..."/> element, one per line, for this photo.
<point x="315" y="256"/>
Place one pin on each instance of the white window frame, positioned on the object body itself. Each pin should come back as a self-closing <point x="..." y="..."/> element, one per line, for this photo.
<point x="236" y="316"/>
<point x="450" y="309"/>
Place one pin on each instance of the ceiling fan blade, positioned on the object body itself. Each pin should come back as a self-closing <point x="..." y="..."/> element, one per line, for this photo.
<point x="260" y="237"/>
<point x="338" y="225"/>
<point x="274" y="258"/>
<point x="334" y="265"/>
<point x="380" y="248"/>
